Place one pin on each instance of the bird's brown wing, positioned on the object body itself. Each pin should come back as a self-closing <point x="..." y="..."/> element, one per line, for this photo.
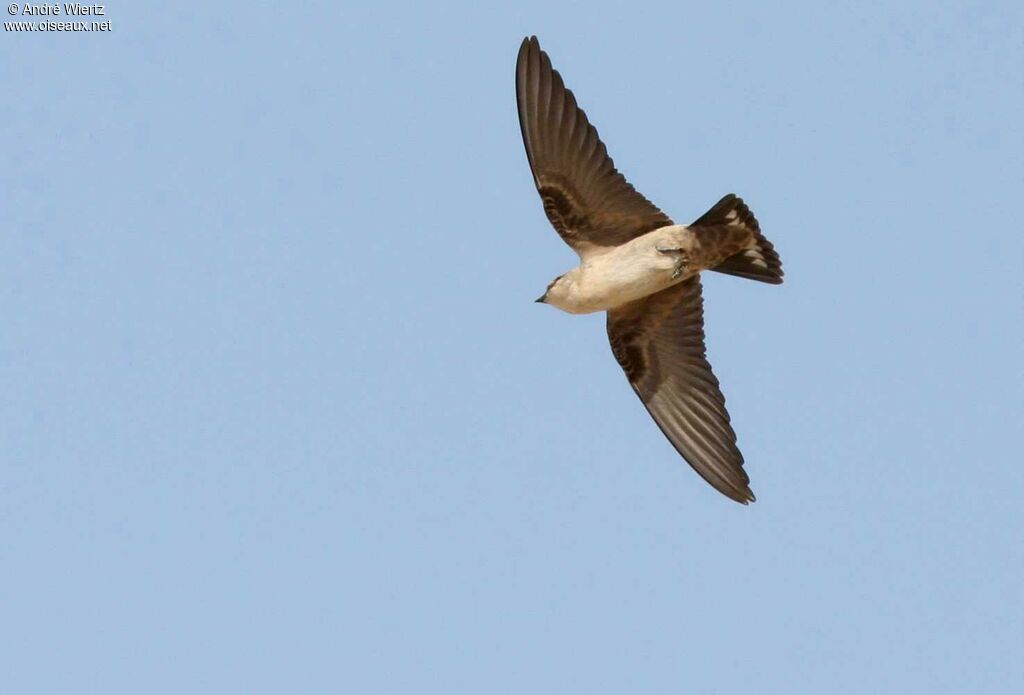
<point x="659" y="342"/>
<point x="590" y="204"/>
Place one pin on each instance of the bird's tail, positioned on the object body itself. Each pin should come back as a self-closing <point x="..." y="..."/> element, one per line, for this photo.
<point x="757" y="260"/>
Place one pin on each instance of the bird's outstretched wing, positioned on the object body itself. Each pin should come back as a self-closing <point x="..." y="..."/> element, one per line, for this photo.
<point x="659" y="342"/>
<point x="590" y="204"/>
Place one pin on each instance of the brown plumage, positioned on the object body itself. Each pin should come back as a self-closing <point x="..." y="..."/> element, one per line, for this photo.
<point x="587" y="200"/>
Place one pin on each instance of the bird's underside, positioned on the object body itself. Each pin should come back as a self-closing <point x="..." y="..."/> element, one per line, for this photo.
<point x="657" y="338"/>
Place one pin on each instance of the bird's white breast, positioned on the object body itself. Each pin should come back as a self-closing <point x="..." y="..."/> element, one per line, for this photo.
<point x="626" y="273"/>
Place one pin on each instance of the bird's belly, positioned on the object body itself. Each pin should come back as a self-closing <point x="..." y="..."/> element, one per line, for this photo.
<point x="617" y="278"/>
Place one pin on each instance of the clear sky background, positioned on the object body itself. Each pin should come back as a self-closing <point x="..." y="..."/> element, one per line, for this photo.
<point x="278" y="412"/>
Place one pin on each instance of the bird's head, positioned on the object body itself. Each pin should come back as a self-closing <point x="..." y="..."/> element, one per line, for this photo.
<point x="559" y="291"/>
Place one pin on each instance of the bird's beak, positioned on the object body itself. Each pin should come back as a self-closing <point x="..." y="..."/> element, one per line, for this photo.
<point x="540" y="299"/>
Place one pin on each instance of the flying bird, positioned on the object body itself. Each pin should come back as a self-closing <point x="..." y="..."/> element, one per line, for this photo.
<point x="642" y="269"/>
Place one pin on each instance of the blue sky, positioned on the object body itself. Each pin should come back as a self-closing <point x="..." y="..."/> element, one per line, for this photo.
<point x="279" y="413"/>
